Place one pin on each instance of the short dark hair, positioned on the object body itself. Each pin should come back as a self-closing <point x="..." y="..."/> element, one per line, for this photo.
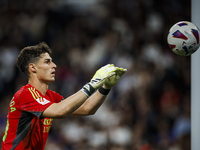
<point x="31" y="54"/>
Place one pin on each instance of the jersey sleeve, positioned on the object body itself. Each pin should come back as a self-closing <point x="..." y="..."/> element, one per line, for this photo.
<point x="31" y="101"/>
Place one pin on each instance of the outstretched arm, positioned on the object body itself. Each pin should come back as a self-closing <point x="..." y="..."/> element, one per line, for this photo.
<point x="73" y="102"/>
<point x="65" y="107"/>
<point x="79" y="103"/>
<point x="91" y="105"/>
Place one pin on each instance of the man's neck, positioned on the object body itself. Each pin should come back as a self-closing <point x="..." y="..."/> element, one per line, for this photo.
<point x="40" y="86"/>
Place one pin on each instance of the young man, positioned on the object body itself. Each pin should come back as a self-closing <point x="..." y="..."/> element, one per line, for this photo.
<point x="33" y="107"/>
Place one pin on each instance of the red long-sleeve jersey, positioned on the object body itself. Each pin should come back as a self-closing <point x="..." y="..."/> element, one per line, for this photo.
<point x="25" y="128"/>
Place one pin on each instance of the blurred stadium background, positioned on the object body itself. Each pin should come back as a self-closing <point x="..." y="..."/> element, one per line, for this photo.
<point x="149" y="109"/>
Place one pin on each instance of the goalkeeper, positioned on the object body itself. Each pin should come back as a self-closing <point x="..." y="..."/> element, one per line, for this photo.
<point x="33" y="107"/>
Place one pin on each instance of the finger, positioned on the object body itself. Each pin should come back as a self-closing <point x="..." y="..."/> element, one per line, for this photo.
<point x="121" y="71"/>
<point x="109" y="69"/>
<point x="111" y="74"/>
<point x="106" y="66"/>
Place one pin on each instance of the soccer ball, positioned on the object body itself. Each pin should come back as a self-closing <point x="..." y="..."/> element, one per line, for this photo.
<point x="183" y="38"/>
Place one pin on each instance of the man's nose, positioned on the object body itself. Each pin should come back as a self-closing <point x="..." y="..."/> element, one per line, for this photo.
<point x="54" y="65"/>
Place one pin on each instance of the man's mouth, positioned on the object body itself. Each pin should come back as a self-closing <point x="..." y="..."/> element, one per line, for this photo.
<point x="54" y="72"/>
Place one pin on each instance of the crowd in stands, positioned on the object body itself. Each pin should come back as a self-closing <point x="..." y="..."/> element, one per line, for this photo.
<point x="149" y="109"/>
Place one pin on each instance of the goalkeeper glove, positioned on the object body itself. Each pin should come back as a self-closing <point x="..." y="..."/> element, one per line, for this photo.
<point x="111" y="81"/>
<point x="99" y="78"/>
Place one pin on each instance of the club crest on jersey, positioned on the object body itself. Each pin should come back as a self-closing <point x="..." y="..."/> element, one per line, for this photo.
<point x="42" y="100"/>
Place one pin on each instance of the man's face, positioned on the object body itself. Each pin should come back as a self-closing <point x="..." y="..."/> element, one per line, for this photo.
<point x="45" y="69"/>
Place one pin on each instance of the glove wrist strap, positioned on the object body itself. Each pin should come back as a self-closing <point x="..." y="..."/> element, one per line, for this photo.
<point x="103" y="91"/>
<point x="88" y="89"/>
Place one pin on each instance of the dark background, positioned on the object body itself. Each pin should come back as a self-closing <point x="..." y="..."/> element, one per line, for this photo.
<point x="149" y="109"/>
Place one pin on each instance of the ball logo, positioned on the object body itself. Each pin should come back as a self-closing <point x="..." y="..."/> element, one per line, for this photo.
<point x="196" y="35"/>
<point x="180" y="35"/>
<point x="182" y="24"/>
<point x="42" y="101"/>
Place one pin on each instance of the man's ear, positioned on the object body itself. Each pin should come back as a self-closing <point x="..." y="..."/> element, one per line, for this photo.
<point x="32" y="67"/>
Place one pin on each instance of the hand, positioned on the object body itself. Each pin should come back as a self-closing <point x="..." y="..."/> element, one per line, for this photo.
<point x="112" y="81"/>
<point x="99" y="78"/>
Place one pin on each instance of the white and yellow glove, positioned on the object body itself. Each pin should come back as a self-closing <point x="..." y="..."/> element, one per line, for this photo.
<point x="99" y="78"/>
<point x="111" y="81"/>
